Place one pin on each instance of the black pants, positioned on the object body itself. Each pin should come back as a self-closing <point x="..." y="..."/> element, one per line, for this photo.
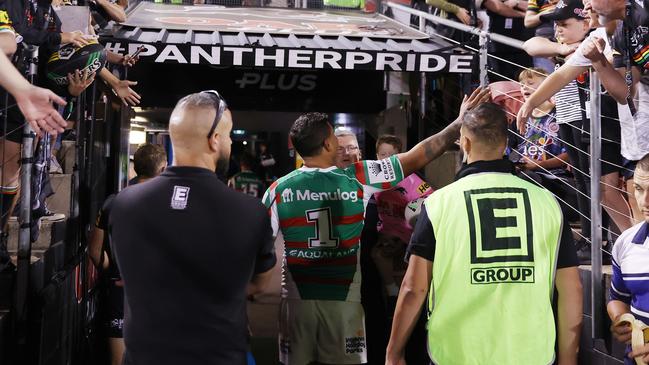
<point x="377" y="331"/>
<point x="572" y="135"/>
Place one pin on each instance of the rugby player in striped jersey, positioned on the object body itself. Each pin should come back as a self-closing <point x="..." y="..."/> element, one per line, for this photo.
<point x="319" y="209"/>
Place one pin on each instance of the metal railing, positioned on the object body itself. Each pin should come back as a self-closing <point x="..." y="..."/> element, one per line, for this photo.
<point x="597" y="290"/>
<point x="24" y="250"/>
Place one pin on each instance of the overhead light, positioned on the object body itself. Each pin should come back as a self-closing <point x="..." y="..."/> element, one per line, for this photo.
<point x="238" y="132"/>
<point x="137" y="137"/>
<point x="139" y="119"/>
<point x="245" y="143"/>
<point x="342" y="118"/>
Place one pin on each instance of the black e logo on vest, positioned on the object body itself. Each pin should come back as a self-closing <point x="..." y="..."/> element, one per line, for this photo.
<point x="501" y="232"/>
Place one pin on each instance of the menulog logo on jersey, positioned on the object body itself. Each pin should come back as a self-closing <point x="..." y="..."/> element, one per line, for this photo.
<point x="288" y="195"/>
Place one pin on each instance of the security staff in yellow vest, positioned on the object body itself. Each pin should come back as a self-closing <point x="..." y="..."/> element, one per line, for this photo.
<point x="499" y="247"/>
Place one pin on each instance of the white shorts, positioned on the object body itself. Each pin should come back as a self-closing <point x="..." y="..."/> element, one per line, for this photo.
<point x="324" y="331"/>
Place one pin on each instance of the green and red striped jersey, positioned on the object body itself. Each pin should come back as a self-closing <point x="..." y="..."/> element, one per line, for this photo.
<point x="247" y="182"/>
<point x="320" y="213"/>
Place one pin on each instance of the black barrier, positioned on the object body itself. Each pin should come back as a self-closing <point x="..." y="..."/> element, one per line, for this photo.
<point x="46" y="302"/>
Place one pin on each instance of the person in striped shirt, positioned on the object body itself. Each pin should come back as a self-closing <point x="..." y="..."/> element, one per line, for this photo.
<point x="629" y="291"/>
<point x="320" y="209"/>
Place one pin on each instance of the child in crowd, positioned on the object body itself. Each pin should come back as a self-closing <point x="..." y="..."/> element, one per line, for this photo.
<point x="573" y="115"/>
<point x="539" y="148"/>
<point x="539" y="151"/>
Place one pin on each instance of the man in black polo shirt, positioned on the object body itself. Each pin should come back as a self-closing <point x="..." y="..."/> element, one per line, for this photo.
<point x="188" y="247"/>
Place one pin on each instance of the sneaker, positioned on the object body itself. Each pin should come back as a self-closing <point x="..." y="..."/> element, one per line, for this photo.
<point x="54" y="217"/>
<point x="43" y="213"/>
<point x="55" y="166"/>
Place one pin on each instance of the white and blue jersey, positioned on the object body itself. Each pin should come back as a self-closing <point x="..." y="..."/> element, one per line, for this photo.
<point x="630" y="282"/>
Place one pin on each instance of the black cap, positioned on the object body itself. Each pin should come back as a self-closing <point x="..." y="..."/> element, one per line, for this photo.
<point x="566" y="9"/>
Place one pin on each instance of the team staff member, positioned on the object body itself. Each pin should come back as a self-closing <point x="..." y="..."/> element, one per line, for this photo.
<point x="630" y="281"/>
<point x="320" y="209"/>
<point x="495" y="240"/>
<point x="150" y="160"/>
<point x="189" y="248"/>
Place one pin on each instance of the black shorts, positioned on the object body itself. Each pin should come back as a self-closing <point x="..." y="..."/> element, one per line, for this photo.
<point x="15" y="121"/>
<point x="112" y="309"/>
<point x="613" y="157"/>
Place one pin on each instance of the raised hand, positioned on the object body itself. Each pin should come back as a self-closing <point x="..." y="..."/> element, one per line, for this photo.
<point x="477" y="97"/>
<point x="77" y="38"/>
<point x="464" y="16"/>
<point x="79" y="81"/>
<point x="124" y="92"/>
<point x="594" y="50"/>
<point x="36" y="105"/>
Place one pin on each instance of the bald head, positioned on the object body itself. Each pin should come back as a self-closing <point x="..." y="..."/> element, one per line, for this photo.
<point x="192" y="119"/>
<point x="190" y="125"/>
<point x="609" y="9"/>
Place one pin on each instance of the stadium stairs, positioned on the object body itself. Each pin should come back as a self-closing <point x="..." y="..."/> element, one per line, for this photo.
<point x="50" y="253"/>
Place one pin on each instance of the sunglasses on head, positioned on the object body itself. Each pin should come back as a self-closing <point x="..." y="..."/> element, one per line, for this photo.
<point x="220" y="105"/>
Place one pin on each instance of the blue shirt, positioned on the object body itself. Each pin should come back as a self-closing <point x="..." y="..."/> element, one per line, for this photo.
<point x="541" y="140"/>
<point x="630" y="282"/>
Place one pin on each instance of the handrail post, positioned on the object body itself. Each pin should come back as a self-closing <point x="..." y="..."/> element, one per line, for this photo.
<point x="597" y="306"/>
<point x="484" y="58"/>
<point x="24" y="251"/>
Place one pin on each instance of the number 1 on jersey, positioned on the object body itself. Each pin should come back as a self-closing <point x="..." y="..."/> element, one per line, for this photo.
<point x="323" y="228"/>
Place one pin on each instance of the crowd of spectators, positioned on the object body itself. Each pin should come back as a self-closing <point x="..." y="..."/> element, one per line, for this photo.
<point x="549" y="140"/>
<point x="40" y="23"/>
<point x="563" y="40"/>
